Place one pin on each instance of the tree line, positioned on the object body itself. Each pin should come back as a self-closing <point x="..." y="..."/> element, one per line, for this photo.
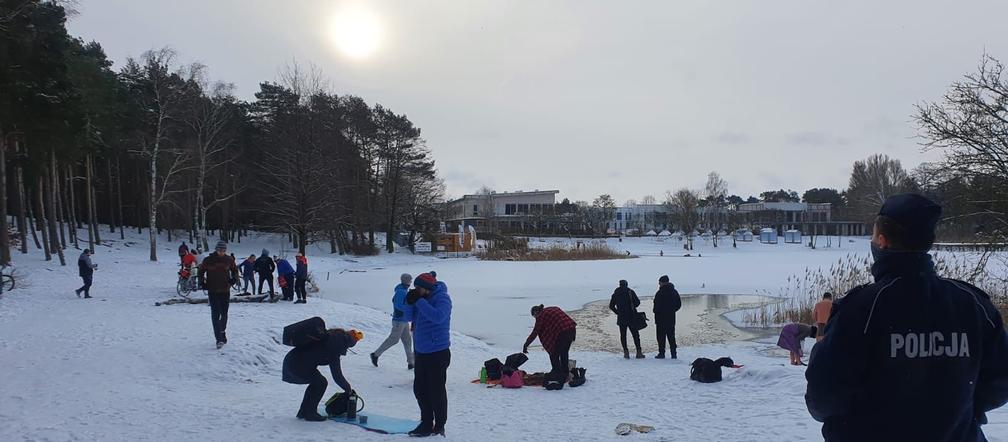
<point x="157" y="145"/>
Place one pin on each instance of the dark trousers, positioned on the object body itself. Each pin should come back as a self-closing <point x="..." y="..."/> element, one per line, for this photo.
<point x="560" y="356"/>
<point x="665" y="331"/>
<point x="299" y="287"/>
<point x="248" y="279"/>
<point x="313" y="394"/>
<point x="622" y="337"/>
<point x="429" y="377"/>
<point x="288" y="290"/>
<point x="86" y="288"/>
<point x="219" y="303"/>
<point x="265" y="277"/>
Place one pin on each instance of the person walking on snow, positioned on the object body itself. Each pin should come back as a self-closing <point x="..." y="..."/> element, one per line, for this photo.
<point x="432" y="308"/>
<point x="791" y="338"/>
<point x="86" y="270"/>
<point x="624" y="303"/>
<point x="247" y="268"/>
<point x="666" y="303"/>
<point x="401" y="315"/>
<point x="556" y="332"/>
<point x="300" y="366"/>
<point x="285" y="273"/>
<point x="217" y="273"/>
<point x="264" y="267"/>
<point x="301" y="278"/>
<point x="913" y="356"/>
<point x="820" y="315"/>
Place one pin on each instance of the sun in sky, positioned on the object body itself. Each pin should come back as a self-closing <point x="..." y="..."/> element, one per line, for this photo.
<point x="356" y="31"/>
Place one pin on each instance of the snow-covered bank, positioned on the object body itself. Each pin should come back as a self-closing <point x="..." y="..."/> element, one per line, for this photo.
<point x="119" y="368"/>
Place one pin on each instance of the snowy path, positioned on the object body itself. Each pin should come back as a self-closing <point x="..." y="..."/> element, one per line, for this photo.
<point x="119" y="368"/>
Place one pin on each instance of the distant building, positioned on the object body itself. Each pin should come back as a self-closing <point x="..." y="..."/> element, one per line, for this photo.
<point x="504" y="212"/>
<point x="808" y="218"/>
<point x="641" y="217"/>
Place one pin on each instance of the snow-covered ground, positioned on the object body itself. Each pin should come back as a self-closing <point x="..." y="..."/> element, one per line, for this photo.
<point x="119" y="368"/>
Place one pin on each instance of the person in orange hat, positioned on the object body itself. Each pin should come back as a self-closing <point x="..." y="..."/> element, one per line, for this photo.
<point x="301" y="364"/>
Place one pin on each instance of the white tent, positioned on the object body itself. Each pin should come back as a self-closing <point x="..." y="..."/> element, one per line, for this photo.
<point x="650" y="233"/>
<point x="665" y="233"/>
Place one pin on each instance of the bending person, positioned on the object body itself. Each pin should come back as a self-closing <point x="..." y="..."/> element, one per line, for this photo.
<point x="301" y="364"/>
<point x="556" y="331"/>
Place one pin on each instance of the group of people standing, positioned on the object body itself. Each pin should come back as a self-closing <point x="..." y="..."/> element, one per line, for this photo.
<point x="667" y="302"/>
<point x="292" y="280"/>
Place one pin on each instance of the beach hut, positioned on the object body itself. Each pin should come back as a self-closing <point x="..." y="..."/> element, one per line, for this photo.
<point x="792" y="237"/>
<point x="743" y="235"/>
<point x="768" y="236"/>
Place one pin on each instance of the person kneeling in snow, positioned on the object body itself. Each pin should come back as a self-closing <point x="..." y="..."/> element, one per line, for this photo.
<point x="556" y="332"/>
<point x="301" y="364"/>
<point x="791" y="338"/>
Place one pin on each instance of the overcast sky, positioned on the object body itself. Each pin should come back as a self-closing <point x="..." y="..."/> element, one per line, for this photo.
<point x="622" y="97"/>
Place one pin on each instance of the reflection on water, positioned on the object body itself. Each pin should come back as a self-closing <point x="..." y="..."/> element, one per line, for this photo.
<point x="697" y="304"/>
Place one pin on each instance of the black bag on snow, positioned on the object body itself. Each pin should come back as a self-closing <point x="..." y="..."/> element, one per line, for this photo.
<point x="639" y="321"/>
<point x="494" y="369"/>
<point x="337" y="404"/>
<point x="516" y="360"/>
<point x="707" y="371"/>
<point x="304" y="333"/>
<point x="577" y="377"/>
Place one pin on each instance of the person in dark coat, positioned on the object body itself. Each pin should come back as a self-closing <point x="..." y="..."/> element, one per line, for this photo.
<point x="912" y="356"/>
<point x="217" y="273"/>
<point x="286" y="271"/>
<point x="264" y="267"/>
<point x="666" y="303"/>
<point x="301" y="278"/>
<point x="248" y="272"/>
<point x="86" y="270"/>
<point x="300" y="366"/>
<point x="624" y="303"/>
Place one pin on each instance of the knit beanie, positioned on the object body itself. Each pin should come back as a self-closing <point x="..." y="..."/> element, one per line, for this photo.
<point x="425" y="281"/>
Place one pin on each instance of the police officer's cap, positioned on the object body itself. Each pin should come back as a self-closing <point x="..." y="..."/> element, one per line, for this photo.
<point x="917" y="214"/>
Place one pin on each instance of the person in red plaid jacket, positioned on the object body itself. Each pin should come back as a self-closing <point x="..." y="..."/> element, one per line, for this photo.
<point x="556" y="332"/>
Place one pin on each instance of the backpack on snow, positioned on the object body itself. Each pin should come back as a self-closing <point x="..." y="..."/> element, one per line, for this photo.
<point x="513" y="379"/>
<point x="337" y="404"/>
<point x="707" y="371"/>
<point x="516" y="360"/>
<point x="577" y="377"/>
<point x="304" y="333"/>
<point x="494" y="369"/>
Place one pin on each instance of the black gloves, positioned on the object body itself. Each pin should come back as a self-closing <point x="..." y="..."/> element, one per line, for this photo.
<point x="412" y="296"/>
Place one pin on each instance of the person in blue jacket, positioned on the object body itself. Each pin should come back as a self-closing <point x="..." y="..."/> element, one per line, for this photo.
<point x="431" y="341"/>
<point x="300" y="366"/>
<point x="913" y="356"/>
<point x="401" y="315"/>
<point x="248" y="272"/>
<point x="286" y="271"/>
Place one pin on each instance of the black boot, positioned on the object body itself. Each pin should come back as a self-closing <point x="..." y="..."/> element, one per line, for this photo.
<point x="311" y="416"/>
<point x="626" y="354"/>
<point x="422" y="430"/>
<point x="640" y="355"/>
<point x="660" y="355"/>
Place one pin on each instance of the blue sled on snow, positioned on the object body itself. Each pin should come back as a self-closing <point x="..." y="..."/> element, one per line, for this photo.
<point x="378" y="423"/>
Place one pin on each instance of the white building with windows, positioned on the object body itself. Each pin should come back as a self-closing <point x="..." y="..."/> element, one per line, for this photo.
<point x="506" y="211"/>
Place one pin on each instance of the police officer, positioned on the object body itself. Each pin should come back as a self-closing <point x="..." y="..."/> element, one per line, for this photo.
<point x="913" y="356"/>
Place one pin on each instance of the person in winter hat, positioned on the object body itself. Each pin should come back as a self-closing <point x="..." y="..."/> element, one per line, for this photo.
<point x="666" y="303"/>
<point x="300" y="366"/>
<point x="912" y="356"/>
<point x="264" y="266"/>
<point x="556" y="332"/>
<point x="432" y="308"/>
<point x="301" y="278"/>
<point x="217" y="273"/>
<point x="401" y="315"/>
<point x="85" y="268"/>
<point x="624" y="303"/>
